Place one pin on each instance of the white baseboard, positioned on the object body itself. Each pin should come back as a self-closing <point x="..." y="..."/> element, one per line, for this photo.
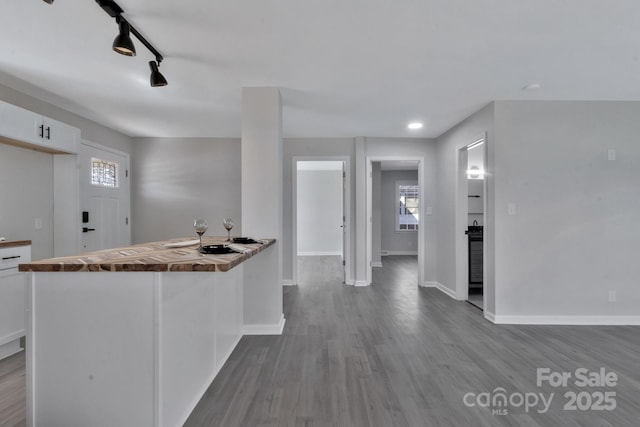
<point x="441" y="288"/>
<point x="387" y="253"/>
<point x="287" y="283"/>
<point x="262" y="329"/>
<point x="12" y="337"/>
<point x="10" y="348"/>
<point x="376" y="264"/>
<point x="567" y="320"/>
<point x="350" y="282"/>
<point x="320" y="253"/>
<point x="360" y="283"/>
<point x="429" y="284"/>
<point x="489" y="316"/>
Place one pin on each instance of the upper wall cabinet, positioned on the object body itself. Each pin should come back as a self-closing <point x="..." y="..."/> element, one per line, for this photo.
<point x="27" y="128"/>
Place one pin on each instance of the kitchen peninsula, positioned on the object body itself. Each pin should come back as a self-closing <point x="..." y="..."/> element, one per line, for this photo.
<point x="130" y="336"/>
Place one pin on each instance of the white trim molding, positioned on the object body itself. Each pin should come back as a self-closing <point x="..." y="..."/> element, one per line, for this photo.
<point x="321" y="253"/>
<point x="391" y="253"/>
<point x="361" y="283"/>
<point x="350" y="282"/>
<point x="376" y="264"/>
<point x="274" y="329"/>
<point x="287" y="282"/>
<point x="566" y="320"/>
<point x="430" y="284"/>
<point x="489" y="316"/>
<point x="441" y="288"/>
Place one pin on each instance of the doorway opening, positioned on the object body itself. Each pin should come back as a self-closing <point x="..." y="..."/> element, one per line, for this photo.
<point x="470" y="220"/>
<point x="395" y="212"/>
<point x="320" y="221"/>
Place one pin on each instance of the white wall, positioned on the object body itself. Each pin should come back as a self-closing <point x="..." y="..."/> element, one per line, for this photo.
<point x="392" y="240"/>
<point x="32" y="197"/>
<point x="447" y="158"/>
<point x="376" y="214"/>
<point x="175" y="180"/>
<point x="26" y="193"/>
<point x="319" y="212"/>
<point x="575" y="234"/>
<point x="261" y="160"/>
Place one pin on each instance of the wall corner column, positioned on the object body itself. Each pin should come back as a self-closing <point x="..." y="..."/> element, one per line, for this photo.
<point x="261" y="159"/>
<point x="361" y="213"/>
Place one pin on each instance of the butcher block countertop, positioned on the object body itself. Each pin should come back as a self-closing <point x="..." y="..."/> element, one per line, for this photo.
<point x="150" y="257"/>
<point x="10" y="244"/>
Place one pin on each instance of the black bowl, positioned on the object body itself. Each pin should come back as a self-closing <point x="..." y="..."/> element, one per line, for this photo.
<point x="245" y="240"/>
<point x="215" y="250"/>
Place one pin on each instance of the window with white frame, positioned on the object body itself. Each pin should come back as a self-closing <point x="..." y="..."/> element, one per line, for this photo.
<point x="104" y="173"/>
<point x="407" y="205"/>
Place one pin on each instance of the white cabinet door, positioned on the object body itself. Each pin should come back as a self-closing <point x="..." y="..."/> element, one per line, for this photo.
<point x="60" y="136"/>
<point x="20" y="124"/>
<point x="11" y="306"/>
<point x="28" y="127"/>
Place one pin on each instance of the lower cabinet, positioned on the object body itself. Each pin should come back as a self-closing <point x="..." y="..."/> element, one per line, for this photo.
<point x="475" y="259"/>
<point x="12" y="299"/>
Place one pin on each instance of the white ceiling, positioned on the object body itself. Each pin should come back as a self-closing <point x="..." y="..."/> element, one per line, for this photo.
<point x="345" y="68"/>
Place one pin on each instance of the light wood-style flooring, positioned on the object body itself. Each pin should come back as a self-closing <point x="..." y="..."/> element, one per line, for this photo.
<point x="393" y="354"/>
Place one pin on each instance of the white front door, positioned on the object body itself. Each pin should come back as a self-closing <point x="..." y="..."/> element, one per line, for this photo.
<point x="104" y="198"/>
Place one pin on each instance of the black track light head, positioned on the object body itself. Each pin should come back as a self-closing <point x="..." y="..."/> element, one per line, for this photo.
<point x="48" y="1"/>
<point x="123" y="43"/>
<point x="156" y="79"/>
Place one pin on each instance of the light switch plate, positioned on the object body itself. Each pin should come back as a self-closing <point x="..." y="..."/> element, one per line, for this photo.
<point x="38" y="223"/>
<point x="429" y="210"/>
<point x="611" y="153"/>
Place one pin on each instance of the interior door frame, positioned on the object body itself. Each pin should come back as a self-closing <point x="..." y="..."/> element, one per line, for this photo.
<point x="127" y="165"/>
<point x="346" y="161"/>
<point x="461" y="220"/>
<point x="369" y="213"/>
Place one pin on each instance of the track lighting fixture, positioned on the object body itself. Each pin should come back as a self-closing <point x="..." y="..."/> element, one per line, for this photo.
<point x="48" y="1"/>
<point x="123" y="43"/>
<point x="156" y="79"/>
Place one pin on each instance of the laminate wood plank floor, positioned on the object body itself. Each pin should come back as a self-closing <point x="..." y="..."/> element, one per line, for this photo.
<point x="13" y="391"/>
<point x="393" y="354"/>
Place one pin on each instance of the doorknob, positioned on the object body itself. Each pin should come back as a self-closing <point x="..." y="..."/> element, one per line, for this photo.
<point x="85" y="229"/>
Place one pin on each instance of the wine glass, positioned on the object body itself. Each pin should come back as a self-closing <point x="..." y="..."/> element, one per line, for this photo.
<point x="228" y="224"/>
<point x="200" y="225"/>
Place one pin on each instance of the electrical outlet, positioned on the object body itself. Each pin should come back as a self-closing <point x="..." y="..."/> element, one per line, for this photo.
<point x="511" y="209"/>
<point x="429" y="210"/>
<point x="611" y="154"/>
<point x="612" y="296"/>
<point x="38" y="223"/>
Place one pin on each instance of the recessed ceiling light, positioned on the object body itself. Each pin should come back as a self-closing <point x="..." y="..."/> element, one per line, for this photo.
<point x="415" y="125"/>
<point x="532" y="86"/>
